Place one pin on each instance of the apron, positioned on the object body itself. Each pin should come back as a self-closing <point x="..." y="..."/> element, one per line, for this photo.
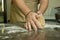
<point x="16" y="16"/>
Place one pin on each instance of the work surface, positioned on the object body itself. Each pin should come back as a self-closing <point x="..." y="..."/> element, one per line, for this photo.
<point x="18" y="33"/>
<point x="22" y="34"/>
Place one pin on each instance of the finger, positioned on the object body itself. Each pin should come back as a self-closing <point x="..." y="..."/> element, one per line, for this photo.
<point x="29" y="26"/>
<point x="26" y="25"/>
<point x="33" y="25"/>
<point x="38" y="15"/>
<point x="38" y="24"/>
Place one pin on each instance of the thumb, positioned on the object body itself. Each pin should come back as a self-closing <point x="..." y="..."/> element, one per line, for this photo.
<point x="38" y="15"/>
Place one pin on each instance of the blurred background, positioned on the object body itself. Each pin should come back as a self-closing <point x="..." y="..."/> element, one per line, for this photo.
<point x="1" y="13"/>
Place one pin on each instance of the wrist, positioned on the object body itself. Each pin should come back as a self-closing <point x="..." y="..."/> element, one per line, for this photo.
<point x="28" y="13"/>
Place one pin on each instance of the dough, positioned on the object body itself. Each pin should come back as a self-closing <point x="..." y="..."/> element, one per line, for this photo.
<point x="42" y="21"/>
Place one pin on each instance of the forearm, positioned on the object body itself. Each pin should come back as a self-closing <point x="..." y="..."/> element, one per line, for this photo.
<point x="43" y="6"/>
<point x="21" y="5"/>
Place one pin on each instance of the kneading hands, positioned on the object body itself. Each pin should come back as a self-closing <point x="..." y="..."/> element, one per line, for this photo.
<point x="33" y="20"/>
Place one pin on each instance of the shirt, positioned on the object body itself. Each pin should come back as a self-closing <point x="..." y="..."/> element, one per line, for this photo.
<point x="17" y="16"/>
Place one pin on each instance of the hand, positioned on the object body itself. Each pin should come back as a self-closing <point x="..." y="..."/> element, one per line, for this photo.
<point x="32" y="22"/>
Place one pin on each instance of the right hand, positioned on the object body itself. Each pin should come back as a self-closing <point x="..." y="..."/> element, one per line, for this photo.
<point x="32" y="22"/>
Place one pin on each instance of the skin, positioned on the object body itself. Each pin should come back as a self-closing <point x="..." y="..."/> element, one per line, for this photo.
<point x="32" y="17"/>
<point x="43" y="6"/>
